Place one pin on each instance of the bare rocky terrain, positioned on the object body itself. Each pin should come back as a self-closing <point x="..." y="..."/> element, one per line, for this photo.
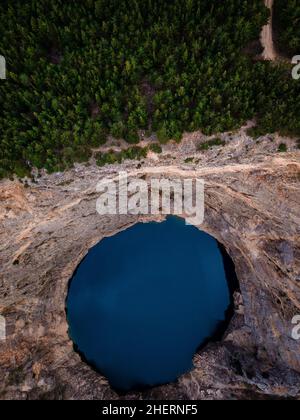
<point x="252" y="204"/>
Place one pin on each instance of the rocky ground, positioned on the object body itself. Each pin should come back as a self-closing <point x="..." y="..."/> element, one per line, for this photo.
<point x="252" y="207"/>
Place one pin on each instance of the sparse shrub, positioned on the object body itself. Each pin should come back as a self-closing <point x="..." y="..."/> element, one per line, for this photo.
<point x="110" y="158"/>
<point x="282" y="148"/>
<point x="211" y="143"/>
<point x="156" y="148"/>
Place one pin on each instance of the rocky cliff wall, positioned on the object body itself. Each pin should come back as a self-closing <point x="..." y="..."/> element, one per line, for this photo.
<point x="252" y="207"/>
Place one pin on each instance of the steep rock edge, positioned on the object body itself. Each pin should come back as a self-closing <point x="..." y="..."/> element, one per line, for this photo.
<point x="252" y="207"/>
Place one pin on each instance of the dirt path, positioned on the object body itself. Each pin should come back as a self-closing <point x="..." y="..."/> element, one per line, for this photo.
<point x="175" y="171"/>
<point x="269" y="52"/>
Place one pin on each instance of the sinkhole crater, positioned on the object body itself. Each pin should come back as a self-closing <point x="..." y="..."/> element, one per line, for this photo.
<point x="144" y="301"/>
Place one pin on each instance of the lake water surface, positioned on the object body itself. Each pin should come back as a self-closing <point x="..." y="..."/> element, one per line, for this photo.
<point x="142" y="302"/>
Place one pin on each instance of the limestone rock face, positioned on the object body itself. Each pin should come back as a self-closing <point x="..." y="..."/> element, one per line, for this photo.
<point x="252" y="204"/>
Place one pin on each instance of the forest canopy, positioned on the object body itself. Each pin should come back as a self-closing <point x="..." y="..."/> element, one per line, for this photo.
<point x="78" y="71"/>
<point x="287" y="24"/>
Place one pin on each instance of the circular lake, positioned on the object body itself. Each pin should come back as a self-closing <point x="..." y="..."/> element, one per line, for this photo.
<point x="143" y="301"/>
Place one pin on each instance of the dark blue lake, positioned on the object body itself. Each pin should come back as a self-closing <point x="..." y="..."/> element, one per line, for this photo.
<point x="142" y="302"/>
